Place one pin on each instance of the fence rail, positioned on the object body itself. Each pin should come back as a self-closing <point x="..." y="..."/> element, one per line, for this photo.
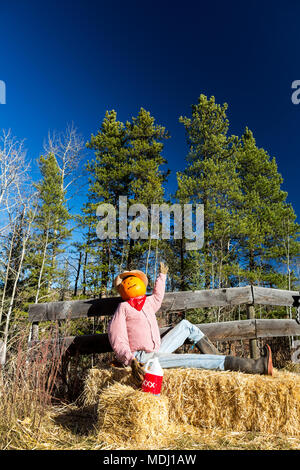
<point x="173" y="302"/>
<point x="223" y="331"/>
<point x="250" y="329"/>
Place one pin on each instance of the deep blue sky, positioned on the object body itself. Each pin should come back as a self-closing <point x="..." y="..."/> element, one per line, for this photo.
<point x="66" y="61"/>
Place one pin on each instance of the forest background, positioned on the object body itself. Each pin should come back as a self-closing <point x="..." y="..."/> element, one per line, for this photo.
<point x="50" y="249"/>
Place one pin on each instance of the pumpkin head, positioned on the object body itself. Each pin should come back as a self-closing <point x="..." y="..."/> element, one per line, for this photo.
<point x="131" y="286"/>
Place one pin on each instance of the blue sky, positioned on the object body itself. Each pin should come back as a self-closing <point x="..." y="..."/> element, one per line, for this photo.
<point x="71" y="61"/>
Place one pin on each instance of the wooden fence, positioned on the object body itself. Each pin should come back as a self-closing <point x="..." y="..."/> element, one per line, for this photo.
<point x="250" y="329"/>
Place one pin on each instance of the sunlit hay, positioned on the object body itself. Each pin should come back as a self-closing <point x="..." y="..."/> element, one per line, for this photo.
<point x="235" y="401"/>
<point x="220" y="400"/>
<point x="98" y="379"/>
<point x="126" y="415"/>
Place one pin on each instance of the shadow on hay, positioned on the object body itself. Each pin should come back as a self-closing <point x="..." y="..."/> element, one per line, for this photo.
<point x="80" y="422"/>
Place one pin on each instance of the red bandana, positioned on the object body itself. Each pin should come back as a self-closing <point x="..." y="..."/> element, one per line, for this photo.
<point x="137" y="302"/>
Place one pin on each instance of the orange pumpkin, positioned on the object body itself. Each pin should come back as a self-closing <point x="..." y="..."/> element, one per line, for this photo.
<point x="131" y="287"/>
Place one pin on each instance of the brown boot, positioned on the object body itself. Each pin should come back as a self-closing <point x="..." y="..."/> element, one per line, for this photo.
<point x="263" y="365"/>
<point x="205" y="346"/>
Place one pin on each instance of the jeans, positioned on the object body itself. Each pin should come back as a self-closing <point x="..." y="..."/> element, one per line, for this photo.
<point x="173" y="340"/>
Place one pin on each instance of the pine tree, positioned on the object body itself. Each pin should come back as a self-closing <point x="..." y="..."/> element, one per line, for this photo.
<point x="50" y="229"/>
<point x="269" y="232"/>
<point x="109" y="179"/>
<point x="210" y="178"/>
<point x="127" y="163"/>
<point x="147" y="178"/>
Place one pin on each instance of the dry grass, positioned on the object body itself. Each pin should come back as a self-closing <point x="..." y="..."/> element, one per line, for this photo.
<point x="27" y="382"/>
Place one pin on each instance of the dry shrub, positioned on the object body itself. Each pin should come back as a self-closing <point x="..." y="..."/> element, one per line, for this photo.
<point x="27" y="383"/>
<point x="217" y="400"/>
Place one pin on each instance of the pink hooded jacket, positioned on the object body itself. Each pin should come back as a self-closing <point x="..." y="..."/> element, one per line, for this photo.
<point x="131" y="330"/>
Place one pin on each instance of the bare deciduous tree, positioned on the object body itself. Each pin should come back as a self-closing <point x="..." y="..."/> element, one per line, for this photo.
<point x="13" y="174"/>
<point x="68" y="148"/>
<point x="29" y="215"/>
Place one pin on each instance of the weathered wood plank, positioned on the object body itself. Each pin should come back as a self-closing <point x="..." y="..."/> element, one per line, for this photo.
<point x="268" y="296"/>
<point x="239" y="295"/>
<point x="72" y="309"/>
<point x="229" y="331"/>
<point x="282" y="327"/>
<point x="223" y="331"/>
<point x="173" y="302"/>
<point x="71" y="345"/>
<point x="250" y="329"/>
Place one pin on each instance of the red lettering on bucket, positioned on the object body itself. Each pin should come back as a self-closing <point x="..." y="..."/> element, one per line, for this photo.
<point x="152" y="383"/>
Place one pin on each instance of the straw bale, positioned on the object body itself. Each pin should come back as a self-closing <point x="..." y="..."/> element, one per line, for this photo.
<point x="132" y="416"/>
<point x="99" y="379"/>
<point x="235" y="401"/>
<point x="216" y="399"/>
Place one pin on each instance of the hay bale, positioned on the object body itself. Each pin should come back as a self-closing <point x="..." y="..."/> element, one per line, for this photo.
<point x="224" y="400"/>
<point x="132" y="416"/>
<point x="235" y="401"/>
<point x="99" y="379"/>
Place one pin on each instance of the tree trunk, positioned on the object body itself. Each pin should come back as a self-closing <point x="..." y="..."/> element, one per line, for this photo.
<point x="8" y="316"/>
<point x="42" y="268"/>
<point x="130" y="259"/>
<point x="7" y="273"/>
<point x="182" y="277"/>
<point x="251" y="262"/>
<point x="84" y="273"/>
<point x="77" y="274"/>
<point x="205" y="245"/>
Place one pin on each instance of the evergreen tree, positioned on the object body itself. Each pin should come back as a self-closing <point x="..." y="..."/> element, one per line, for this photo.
<point x="147" y="177"/>
<point x="127" y="163"/>
<point x="211" y="179"/>
<point x="50" y="229"/>
<point x="269" y="232"/>
<point x="108" y="180"/>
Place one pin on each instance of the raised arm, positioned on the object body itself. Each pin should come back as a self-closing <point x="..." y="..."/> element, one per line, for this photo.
<point x="159" y="288"/>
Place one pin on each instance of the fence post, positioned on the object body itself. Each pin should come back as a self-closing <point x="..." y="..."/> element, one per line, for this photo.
<point x="35" y="331"/>
<point x="254" y="352"/>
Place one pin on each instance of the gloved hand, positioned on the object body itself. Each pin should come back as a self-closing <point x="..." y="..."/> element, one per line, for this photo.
<point x="163" y="268"/>
<point x="137" y="372"/>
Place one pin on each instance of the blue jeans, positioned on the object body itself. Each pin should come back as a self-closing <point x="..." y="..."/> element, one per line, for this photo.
<point x="173" y="340"/>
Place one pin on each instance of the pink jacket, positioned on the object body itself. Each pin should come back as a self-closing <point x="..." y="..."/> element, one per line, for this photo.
<point x="131" y="330"/>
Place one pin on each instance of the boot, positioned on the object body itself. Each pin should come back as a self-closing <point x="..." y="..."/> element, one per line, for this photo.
<point x="205" y="346"/>
<point x="263" y="365"/>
